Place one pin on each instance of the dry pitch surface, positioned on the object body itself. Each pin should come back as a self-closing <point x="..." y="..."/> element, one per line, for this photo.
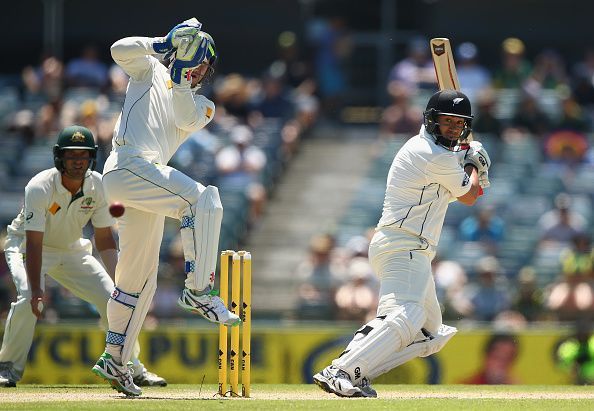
<point x="409" y="397"/>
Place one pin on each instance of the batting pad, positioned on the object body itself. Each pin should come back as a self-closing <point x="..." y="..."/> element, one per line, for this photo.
<point x="142" y="306"/>
<point x="200" y="229"/>
<point x="377" y="341"/>
<point x="424" y="345"/>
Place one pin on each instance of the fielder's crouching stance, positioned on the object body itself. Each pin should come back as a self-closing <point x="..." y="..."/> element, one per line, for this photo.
<point x="160" y="110"/>
<point x="428" y="172"/>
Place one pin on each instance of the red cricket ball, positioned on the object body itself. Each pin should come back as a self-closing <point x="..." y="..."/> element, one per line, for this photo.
<point x="117" y="209"/>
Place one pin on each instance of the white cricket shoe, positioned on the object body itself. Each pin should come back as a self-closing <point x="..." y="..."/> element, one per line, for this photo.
<point x="366" y="389"/>
<point x="149" y="379"/>
<point x="336" y="381"/>
<point x="210" y="306"/>
<point x="118" y="376"/>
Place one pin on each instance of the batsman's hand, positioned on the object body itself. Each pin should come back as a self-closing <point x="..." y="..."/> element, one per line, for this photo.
<point x="477" y="156"/>
<point x="181" y="34"/>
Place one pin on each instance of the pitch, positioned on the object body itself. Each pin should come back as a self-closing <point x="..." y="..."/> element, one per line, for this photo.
<point x="273" y="397"/>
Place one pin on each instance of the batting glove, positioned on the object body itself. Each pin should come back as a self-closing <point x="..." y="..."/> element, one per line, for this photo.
<point x="183" y="32"/>
<point x="477" y="156"/>
<point x="484" y="179"/>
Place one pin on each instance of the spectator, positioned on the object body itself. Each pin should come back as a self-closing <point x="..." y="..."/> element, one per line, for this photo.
<point x="489" y="295"/>
<point x="484" y="227"/>
<point x="529" y="118"/>
<point x="319" y="278"/>
<point x="332" y="45"/>
<point x="583" y="80"/>
<point x="45" y="80"/>
<point x="450" y="282"/>
<point x="239" y="166"/>
<point x="500" y="354"/>
<point x="87" y="70"/>
<point x="528" y="299"/>
<point x="561" y="224"/>
<point x="472" y="76"/>
<point x="401" y="116"/>
<point x="415" y="71"/>
<point x="486" y="120"/>
<point x="573" y="295"/>
<point x="515" y="68"/>
<point x="548" y="72"/>
<point x="273" y="101"/>
<point x="356" y="300"/>
<point x="572" y="116"/>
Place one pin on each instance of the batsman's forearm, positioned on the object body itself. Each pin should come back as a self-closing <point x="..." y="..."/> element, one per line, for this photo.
<point x="474" y="180"/>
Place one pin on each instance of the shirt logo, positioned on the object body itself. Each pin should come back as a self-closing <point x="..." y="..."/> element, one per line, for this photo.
<point x="87" y="203"/>
<point x="54" y="208"/>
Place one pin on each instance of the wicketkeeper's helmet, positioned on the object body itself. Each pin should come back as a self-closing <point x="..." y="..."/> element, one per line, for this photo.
<point x="450" y="103"/>
<point x="75" y="138"/>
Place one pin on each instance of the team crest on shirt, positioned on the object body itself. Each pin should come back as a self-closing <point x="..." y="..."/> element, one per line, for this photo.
<point x="87" y="205"/>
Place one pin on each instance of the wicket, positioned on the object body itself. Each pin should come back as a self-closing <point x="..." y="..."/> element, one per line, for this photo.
<point x="241" y="291"/>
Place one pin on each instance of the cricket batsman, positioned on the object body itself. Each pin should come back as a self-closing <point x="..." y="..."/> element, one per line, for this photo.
<point x="428" y="172"/>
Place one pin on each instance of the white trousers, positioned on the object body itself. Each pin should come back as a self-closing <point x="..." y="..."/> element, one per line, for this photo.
<point x="150" y="192"/>
<point x="76" y="270"/>
<point x="403" y="263"/>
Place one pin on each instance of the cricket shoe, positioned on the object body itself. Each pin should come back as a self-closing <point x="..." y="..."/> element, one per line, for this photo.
<point x="210" y="306"/>
<point x="336" y="381"/>
<point x="118" y="376"/>
<point x="149" y="379"/>
<point x="6" y="381"/>
<point x="366" y="389"/>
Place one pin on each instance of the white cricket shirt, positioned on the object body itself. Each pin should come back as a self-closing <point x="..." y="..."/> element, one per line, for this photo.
<point x="422" y="180"/>
<point x="156" y="117"/>
<point x="50" y="208"/>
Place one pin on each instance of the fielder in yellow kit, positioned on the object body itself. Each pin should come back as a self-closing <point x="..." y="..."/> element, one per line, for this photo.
<point x="161" y="109"/>
<point x="59" y="202"/>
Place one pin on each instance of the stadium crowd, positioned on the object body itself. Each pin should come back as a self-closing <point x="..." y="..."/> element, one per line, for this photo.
<point x="524" y="256"/>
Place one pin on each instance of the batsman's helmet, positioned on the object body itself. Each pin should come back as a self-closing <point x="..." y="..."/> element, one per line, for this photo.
<point x="74" y="138"/>
<point x="450" y="103"/>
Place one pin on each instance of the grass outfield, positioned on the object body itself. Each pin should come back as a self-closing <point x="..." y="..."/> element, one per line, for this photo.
<point x="274" y="397"/>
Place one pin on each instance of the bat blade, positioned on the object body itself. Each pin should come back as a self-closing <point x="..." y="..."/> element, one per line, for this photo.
<point x="443" y="61"/>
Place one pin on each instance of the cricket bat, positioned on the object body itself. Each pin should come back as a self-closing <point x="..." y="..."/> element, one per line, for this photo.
<point x="445" y="72"/>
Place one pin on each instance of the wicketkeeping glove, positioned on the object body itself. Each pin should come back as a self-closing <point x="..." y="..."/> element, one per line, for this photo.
<point x="181" y="33"/>
<point x="188" y="57"/>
